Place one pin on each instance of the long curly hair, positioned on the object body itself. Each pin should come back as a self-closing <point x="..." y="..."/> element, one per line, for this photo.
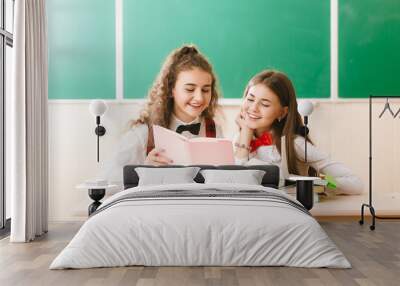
<point x="160" y="104"/>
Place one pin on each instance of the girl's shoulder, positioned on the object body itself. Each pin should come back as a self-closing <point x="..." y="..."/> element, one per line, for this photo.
<point x="299" y="140"/>
<point x="139" y="131"/>
<point x="314" y="153"/>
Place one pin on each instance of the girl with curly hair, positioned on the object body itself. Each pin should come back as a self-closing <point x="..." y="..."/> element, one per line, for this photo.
<point x="183" y="98"/>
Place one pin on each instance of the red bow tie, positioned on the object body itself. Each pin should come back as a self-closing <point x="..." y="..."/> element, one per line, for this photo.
<point x="264" y="140"/>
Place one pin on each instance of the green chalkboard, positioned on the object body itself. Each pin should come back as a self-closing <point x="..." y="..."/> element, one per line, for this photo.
<point x="81" y="45"/>
<point x="369" y="48"/>
<point x="239" y="37"/>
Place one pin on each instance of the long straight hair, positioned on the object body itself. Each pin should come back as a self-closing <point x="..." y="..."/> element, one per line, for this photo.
<point x="290" y="126"/>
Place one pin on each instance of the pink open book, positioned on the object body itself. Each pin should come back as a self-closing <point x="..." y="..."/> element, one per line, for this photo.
<point x="193" y="151"/>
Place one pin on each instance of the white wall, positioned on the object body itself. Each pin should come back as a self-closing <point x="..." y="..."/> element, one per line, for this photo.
<point x="340" y="128"/>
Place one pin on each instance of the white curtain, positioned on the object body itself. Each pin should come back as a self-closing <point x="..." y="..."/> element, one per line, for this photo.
<point x="28" y="121"/>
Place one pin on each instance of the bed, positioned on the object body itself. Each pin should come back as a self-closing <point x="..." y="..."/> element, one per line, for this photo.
<point x="201" y="224"/>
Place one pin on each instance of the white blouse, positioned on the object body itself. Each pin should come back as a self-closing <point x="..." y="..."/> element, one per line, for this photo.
<point x="347" y="182"/>
<point x="132" y="148"/>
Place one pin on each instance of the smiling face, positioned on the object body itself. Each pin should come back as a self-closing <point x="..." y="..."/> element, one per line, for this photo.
<point x="261" y="108"/>
<point x="192" y="94"/>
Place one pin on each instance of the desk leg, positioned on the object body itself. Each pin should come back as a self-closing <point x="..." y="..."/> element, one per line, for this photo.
<point x="304" y="193"/>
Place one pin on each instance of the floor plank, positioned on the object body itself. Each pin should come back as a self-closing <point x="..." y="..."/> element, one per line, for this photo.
<point x="374" y="255"/>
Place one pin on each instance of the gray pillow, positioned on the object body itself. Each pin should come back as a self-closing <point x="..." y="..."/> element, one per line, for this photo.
<point x="248" y="177"/>
<point x="163" y="176"/>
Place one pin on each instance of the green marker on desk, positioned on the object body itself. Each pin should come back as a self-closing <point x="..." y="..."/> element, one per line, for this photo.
<point x="327" y="182"/>
<point x="331" y="184"/>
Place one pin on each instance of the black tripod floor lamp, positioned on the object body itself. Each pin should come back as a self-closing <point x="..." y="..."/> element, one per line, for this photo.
<point x="370" y="206"/>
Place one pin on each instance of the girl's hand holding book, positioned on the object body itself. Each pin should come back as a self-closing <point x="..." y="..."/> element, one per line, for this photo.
<point x="157" y="157"/>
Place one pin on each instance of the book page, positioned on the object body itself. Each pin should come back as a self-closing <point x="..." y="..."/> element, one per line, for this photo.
<point x="207" y="139"/>
<point x="211" y="151"/>
<point x="174" y="144"/>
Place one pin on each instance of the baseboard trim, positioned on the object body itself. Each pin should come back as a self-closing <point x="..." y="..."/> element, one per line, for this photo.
<point x="67" y="219"/>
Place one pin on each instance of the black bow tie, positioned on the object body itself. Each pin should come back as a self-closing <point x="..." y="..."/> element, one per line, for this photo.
<point x="192" y="128"/>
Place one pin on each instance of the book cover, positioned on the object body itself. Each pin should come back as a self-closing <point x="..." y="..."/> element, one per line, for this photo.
<point x="193" y="151"/>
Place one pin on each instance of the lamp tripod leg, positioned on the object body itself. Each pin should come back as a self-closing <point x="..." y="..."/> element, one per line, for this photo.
<point x="361" y="222"/>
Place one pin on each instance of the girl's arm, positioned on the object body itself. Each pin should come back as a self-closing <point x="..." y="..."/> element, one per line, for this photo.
<point x="347" y="182"/>
<point x="242" y="142"/>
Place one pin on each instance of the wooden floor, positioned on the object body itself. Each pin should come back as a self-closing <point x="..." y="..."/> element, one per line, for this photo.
<point x="374" y="255"/>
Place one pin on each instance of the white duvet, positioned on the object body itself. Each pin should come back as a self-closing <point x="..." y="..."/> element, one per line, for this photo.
<point x="183" y="231"/>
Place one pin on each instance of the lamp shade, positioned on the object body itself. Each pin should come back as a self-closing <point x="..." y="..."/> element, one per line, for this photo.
<point x="98" y="107"/>
<point x="305" y="107"/>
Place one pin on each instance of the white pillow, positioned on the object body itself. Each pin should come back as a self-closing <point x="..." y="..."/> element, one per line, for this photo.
<point x="163" y="176"/>
<point x="248" y="177"/>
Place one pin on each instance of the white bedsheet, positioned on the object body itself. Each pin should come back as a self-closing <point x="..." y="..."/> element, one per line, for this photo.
<point x="200" y="231"/>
